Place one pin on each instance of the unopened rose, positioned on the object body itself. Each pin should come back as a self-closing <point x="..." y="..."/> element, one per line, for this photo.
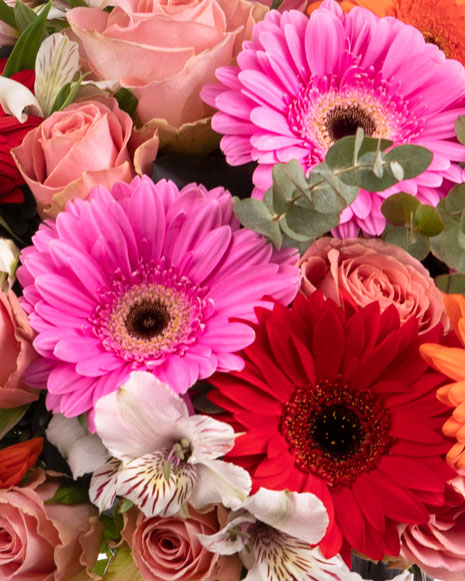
<point x="74" y="150"/>
<point x="368" y="270"/>
<point x="16" y="353"/>
<point x="168" y="549"/>
<point x="50" y="542"/>
<point x="165" y="52"/>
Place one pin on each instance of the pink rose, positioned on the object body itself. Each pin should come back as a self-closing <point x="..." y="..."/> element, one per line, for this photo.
<point x="368" y="270"/>
<point x="165" y="52"/>
<point x="438" y="547"/>
<point x="74" y="150"/>
<point x="167" y="549"/>
<point x="45" y="541"/>
<point x="16" y="353"/>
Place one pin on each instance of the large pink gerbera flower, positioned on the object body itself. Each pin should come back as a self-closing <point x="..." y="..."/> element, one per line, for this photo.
<point x="303" y="83"/>
<point x="145" y="278"/>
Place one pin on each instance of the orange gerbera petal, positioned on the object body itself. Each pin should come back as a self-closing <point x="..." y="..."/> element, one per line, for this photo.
<point x="442" y="22"/>
<point x="16" y="460"/>
<point x="455" y="308"/>
<point x="447" y="360"/>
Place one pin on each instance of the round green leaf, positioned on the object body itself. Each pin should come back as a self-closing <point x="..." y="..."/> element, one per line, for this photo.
<point x="399" y="208"/>
<point x="428" y="221"/>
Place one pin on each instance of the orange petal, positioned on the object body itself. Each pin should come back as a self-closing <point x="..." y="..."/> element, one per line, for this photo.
<point x="17" y="459"/>
<point x="448" y="360"/>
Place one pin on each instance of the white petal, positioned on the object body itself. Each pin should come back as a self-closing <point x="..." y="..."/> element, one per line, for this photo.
<point x="209" y="438"/>
<point x="280" y="557"/>
<point x="220" y="482"/>
<point x="229" y="539"/>
<point x="56" y="65"/>
<point x="143" y="481"/>
<point x="299" y="514"/>
<point x="103" y="485"/>
<point x="15" y="97"/>
<point x="9" y="262"/>
<point x="140" y="418"/>
<point x="83" y="452"/>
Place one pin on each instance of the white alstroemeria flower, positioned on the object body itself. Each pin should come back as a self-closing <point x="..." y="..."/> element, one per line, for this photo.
<point x="57" y="64"/>
<point x="166" y="456"/>
<point x="9" y="253"/>
<point x="16" y="99"/>
<point x="273" y="538"/>
<point x="261" y="536"/>
<point x="84" y="452"/>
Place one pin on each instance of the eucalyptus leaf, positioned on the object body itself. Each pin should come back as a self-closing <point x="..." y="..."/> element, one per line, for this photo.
<point x="427" y="221"/>
<point x="289" y="182"/>
<point x="9" y="417"/>
<point x="328" y="193"/>
<point x="459" y="127"/>
<point x="7" y="14"/>
<point x="414" y="243"/>
<point x="346" y="152"/>
<point x="400" y="208"/>
<point x="414" y="159"/>
<point x="23" y="55"/>
<point x="69" y="493"/>
<point x="307" y="224"/>
<point x="256" y="216"/>
<point x="455" y="200"/>
<point x="125" y="505"/>
<point x="451" y="283"/>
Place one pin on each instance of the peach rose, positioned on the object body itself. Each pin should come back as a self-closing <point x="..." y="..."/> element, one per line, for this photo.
<point x="165" y="52"/>
<point x="74" y="150"/>
<point x="16" y="353"/>
<point x="45" y="541"/>
<point x="167" y="549"/>
<point x="368" y="270"/>
<point x="438" y="546"/>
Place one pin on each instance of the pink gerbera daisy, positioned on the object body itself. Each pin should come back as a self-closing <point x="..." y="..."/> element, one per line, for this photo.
<point x="303" y="83"/>
<point x="148" y="278"/>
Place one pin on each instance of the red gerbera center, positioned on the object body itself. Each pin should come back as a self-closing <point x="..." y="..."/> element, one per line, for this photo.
<point x="334" y="431"/>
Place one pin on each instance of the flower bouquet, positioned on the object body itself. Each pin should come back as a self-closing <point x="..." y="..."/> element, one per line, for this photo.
<point x="232" y="314"/>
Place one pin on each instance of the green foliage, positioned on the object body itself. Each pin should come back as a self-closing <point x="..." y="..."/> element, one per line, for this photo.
<point x="70" y="492"/>
<point x="9" y="417"/>
<point x="23" y="55"/>
<point x="298" y="209"/>
<point x="127" y="101"/>
<point x="7" y="14"/>
<point x="459" y="128"/>
<point x="67" y="94"/>
<point x="451" y="283"/>
<point x="23" y="15"/>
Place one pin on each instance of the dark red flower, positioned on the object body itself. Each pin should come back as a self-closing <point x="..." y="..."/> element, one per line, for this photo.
<point x="340" y="403"/>
<point x="12" y="133"/>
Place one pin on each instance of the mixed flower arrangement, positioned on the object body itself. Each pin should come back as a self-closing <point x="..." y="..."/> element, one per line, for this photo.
<point x="232" y="314"/>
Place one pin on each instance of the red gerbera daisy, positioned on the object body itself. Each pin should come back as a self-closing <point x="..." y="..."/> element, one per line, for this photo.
<point x="340" y="403"/>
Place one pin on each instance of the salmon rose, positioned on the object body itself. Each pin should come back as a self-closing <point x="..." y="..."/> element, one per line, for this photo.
<point x="165" y="52"/>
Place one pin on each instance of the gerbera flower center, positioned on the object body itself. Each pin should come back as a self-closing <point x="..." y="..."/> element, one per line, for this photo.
<point x="147" y="319"/>
<point x="150" y="313"/>
<point x="321" y="115"/>
<point x="341" y="122"/>
<point x="335" y="431"/>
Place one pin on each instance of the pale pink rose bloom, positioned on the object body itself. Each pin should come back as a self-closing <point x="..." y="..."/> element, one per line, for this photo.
<point x="74" y="150"/>
<point x="164" y="51"/>
<point x="438" y="547"/>
<point x="50" y="542"/>
<point x="16" y="353"/>
<point x="367" y="270"/>
<point x="168" y="549"/>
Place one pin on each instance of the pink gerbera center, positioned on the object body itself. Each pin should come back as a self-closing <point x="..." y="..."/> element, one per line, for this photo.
<point x="334" y="431"/>
<point x="322" y="113"/>
<point x="150" y="313"/>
